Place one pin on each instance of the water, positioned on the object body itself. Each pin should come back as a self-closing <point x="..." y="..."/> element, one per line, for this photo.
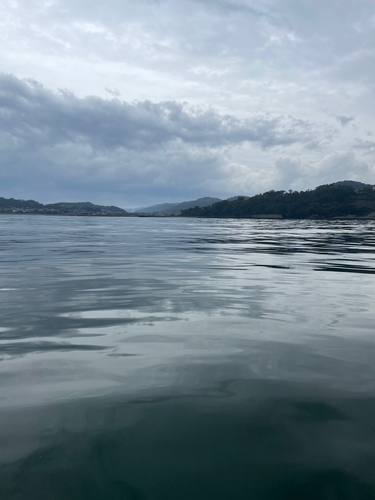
<point x="168" y="359"/>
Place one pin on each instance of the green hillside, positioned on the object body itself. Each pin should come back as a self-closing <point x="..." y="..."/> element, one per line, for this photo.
<point x="327" y="201"/>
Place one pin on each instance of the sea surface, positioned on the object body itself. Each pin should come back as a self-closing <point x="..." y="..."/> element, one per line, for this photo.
<point x="186" y="359"/>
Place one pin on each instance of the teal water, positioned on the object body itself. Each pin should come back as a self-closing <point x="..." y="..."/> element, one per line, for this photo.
<point x="168" y="359"/>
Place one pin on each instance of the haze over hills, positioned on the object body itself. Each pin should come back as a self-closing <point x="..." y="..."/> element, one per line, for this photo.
<point x="153" y="209"/>
<point x="176" y="208"/>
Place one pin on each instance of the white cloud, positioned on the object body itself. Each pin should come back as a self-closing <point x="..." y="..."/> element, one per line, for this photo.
<point x="335" y="166"/>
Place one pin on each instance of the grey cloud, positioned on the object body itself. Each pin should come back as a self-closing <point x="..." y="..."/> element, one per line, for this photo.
<point x="122" y="177"/>
<point x="228" y="7"/>
<point x="237" y="58"/>
<point x="313" y="145"/>
<point x="37" y="116"/>
<point x="114" y="92"/>
<point x="366" y="146"/>
<point x="344" y="120"/>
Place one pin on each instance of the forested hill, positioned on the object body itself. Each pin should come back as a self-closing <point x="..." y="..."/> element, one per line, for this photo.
<point x="328" y="201"/>
<point x="10" y="205"/>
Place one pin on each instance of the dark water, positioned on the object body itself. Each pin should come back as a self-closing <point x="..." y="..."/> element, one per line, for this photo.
<point x="167" y="359"/>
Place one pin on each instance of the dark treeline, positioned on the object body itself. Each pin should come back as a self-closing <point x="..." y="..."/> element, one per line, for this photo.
<point x="327" y="201"/>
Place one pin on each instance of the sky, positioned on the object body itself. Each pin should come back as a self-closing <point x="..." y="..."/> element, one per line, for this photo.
<point x="135" y="103"/>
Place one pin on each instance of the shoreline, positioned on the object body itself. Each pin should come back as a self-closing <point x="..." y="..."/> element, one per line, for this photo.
<point x="254" y="217"/>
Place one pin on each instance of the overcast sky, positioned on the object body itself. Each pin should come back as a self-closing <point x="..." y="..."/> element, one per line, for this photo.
<point x="134" y="103"/>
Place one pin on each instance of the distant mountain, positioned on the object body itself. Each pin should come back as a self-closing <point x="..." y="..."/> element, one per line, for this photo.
<point x="234" y="198"/>
<point x="200" y="202"/>
<point x="176" y="208"/>
<point x="338" y="200"/>
<point x="155" y="209"/>
<point x="85" y="206"/>
<point x="10" y="205"/>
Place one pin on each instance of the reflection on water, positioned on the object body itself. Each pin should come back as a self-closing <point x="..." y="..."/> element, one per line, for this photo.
<point x="186" y="359"/>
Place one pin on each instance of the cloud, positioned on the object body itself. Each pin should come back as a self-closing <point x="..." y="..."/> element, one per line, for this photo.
<point x="233" y="7"/>
<point x="368" y="147"/>
<point x="113" y="92"/>
<point x="339" y="165"/>
<point x="344" y="120"/>
<point x="230" y="95"/>
<point x="56" y="142"/>
<point x="333" y="167"/>
<point x="35" y="116"/>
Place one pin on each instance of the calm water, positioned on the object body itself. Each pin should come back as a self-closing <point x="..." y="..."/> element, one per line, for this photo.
<point x="168" y="359"/>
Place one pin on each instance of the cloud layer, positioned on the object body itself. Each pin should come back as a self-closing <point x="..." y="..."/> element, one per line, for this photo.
<point x="35" y="115"/>
<point x="167" y="99"/>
